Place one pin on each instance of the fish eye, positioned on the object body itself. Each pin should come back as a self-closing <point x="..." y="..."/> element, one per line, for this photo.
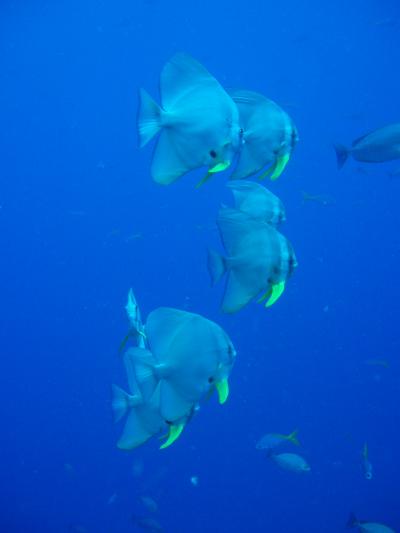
<point x="213" y="154"/>
<point x="210" y="379"/>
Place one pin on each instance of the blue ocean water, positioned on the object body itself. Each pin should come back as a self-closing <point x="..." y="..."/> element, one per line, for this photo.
<point x="81" y="222"/>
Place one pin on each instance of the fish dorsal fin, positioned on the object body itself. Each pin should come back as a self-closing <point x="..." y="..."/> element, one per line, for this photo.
<point x="180" y="75"/>
<point x="233" y="226"/>
<point x="162" y="327"/>
<point x="359" y="139"/>
<point x="247" y="102"/>
<point x="256" y="200"/>
<point x="139" y="365"/>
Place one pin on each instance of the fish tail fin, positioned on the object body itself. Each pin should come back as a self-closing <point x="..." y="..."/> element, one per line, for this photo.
<point x="216" y="266"/>
<point x="293" y="437"/>
<point x="120" y="402"/>
<point x="352" y="520"/>
<point x="149" y="115"/>
<point x="342" y="154"/>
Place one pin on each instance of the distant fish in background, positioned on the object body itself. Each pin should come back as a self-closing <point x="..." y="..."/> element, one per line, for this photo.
<point x="361" y="170"/>
<point x="323" y="199"/>
<point x="194" y="480"/>
<point x="394" y="174"/>
<point x="137" y="468"/>
<point x="198" y="122"/>
<point x="367" y="527"/>
<point x="77" y="528"/>
<point x="148" y="502"/>
<point x="270" y="441"/>
<point x="290" y="461"/>
<point x="377" y="362"/>
<point x="387" y="22"/>
<point x="376" y="147"/>
<point x="112" y="499"/>
<point x="69" y="470"/>
<point x="147" y="523"/>
<point x="269" y="136"/>
<point x="365" y="463"/>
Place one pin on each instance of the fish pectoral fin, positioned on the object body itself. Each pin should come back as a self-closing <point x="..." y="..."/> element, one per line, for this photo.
<point x="276" y="293"/>
<point x="219" y="167"/>
<point x="174" y="433"/>
<point x="267" y="172"/>
<point x="223" y="390"/>
<point x="204" y="180"/>
<point x="280" y="166"/>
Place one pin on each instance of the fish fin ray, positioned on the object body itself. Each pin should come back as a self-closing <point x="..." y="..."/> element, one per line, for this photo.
<point x="148" y="120"/>
<point x="120" y="402"/>
<point x="168" y="165"/>
<point x="134" y="433"/>
<point x="216" y="266"/>
<point x="181" y="73"/>
<point x="342" y="154"/>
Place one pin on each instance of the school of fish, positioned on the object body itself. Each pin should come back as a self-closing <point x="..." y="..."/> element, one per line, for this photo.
<point x="176" y="359"/>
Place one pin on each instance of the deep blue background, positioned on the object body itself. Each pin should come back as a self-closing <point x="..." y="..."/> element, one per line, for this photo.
<point x="81" y="221"/>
